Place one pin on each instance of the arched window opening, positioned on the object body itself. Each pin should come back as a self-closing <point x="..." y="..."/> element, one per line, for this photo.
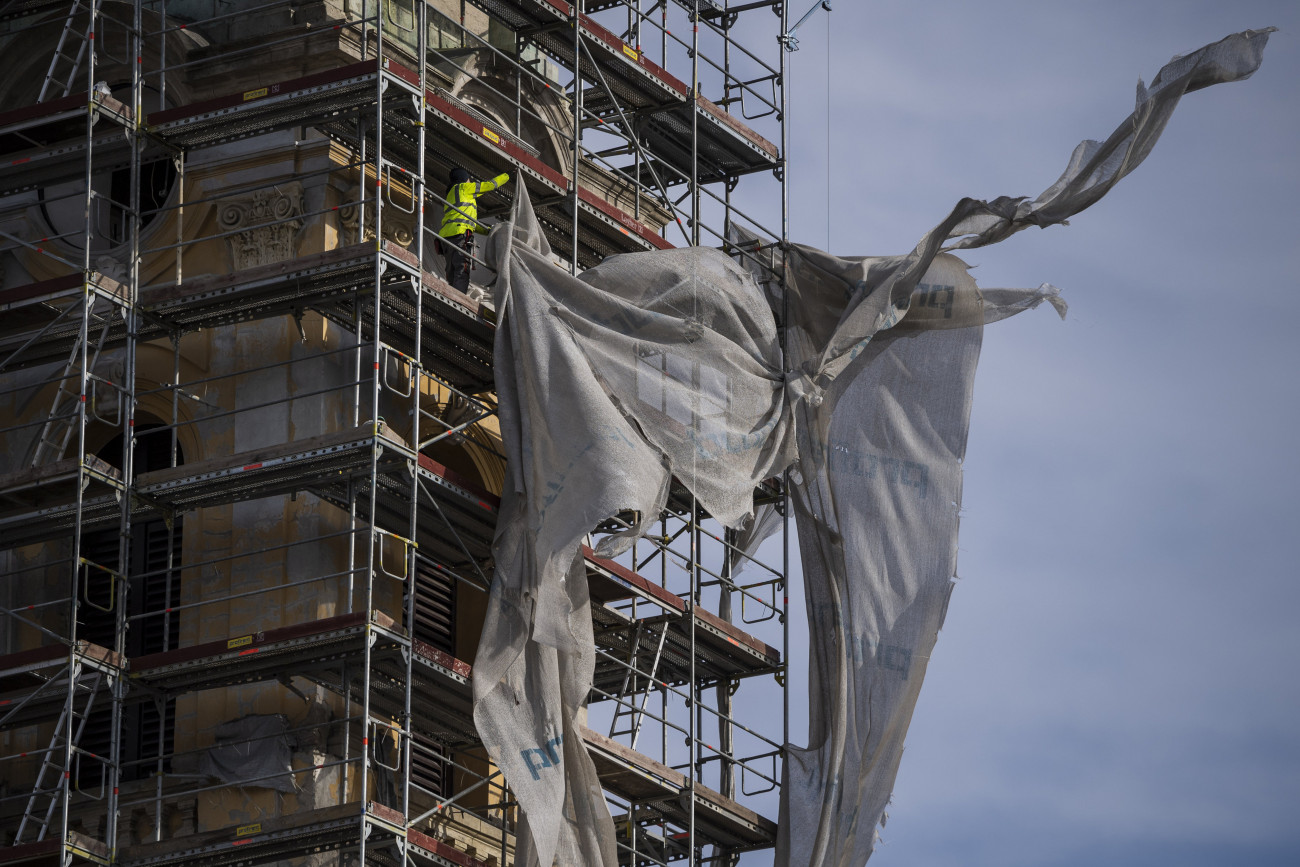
<point x="150" y="588"/>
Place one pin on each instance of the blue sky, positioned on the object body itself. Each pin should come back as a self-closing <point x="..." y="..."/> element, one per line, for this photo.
<point x="1116" y="680"/>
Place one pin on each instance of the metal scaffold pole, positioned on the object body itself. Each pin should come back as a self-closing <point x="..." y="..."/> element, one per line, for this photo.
<point x="577" y="130"/>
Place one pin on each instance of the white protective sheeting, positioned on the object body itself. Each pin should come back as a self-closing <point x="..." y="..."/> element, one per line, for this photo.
<point x="880" y="458"/>
<point x="666" y="364"/>
<point x="876" y="505"/>
<point x="650" y="365"/>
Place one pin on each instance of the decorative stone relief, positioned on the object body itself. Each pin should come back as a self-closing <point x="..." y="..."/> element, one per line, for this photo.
<point x="111" y="267"/>
<point x="399" y="226"/>
<point x="265" y="224"/>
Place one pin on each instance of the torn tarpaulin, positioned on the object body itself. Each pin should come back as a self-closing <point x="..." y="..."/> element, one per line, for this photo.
<point x="880" y="460"/>
<point x="666" y="364"/>
<point x="649" y="366"/>
<point x="876" y="507"/>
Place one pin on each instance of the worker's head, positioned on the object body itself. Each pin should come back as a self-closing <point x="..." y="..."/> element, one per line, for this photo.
<point x="458" y="175"/>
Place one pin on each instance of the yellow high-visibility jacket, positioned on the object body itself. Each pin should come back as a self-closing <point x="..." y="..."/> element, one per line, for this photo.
<point x="461" y="215"/>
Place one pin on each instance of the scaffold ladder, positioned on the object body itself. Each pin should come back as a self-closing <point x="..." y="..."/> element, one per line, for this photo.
<point x="64" y="66"/>
<point x="631" y="714"/>
<point x="59" y="427"/>
<point x="51" y="764"/>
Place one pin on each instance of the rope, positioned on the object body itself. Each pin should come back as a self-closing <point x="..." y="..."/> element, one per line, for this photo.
<point x="828" y="132"/>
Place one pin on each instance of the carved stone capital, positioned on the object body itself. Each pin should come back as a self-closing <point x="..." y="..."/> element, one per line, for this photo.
<point x="399" y="227"/>
<point x="265" y="225"/>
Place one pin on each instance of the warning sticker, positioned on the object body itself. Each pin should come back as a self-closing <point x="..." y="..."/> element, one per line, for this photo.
<point x="491" y="136"/>
<point x="254" y="94"/>
<point x="241" y="641"/>
<point x="631" y="52"/>
<point x="245" y="830"/>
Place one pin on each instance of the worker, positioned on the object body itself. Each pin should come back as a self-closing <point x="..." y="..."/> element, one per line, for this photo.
<point x="460" y="222"/>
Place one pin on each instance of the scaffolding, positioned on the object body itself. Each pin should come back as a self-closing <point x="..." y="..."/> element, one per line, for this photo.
<point x="251" y="456"/>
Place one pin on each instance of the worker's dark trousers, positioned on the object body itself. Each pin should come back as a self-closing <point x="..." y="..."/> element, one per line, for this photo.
<point x="454" y="250"/>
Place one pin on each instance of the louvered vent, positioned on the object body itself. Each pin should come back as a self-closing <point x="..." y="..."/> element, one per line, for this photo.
<point x="435" y="625"/>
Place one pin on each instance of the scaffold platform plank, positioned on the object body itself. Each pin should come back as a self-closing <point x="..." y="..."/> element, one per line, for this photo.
<point x="456" y="338"/>
<point x="441" y="697"/>
<point x="40" y="503"/>
<point x="277" y="469"/>
<point x="296" y="834"/>
<point x="77" y="848"/>
<point x="45" y="143"/>
<point x="307" y="100"/>
<point x="726" y="147"/>
<point x="430" y="850"/>
<point x="721" y="650"/>
<point x="258" y="656"/>
<point x="51" y="485"/>
<point x="456" y="520"/>
<point x="629" y="647"/>
<point x="731" y="643"/>
<point x="315" y="650"/>
<point x="611" y="581"/>
<point x="456" y="516"/>
<point x="470" y="509"/>
<point x="442" y="703"/>
<point x="309" y="464"/>
<point x="657" y="103"/>
<point x="13" y="9"/>
<point x="636" y="80"/>
<point x="306" y="282"/>
<point x="34" y="683"/>
<point x="40" y="322"/>
<point x="635" y="777"/>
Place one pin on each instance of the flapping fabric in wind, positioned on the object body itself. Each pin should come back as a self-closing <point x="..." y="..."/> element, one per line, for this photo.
<point x="1096" y="166"/>
<point x="880" y="449"/>
<point x="534" y="663"/>
<point x="876" y="506"/>
<point x="666" y="365"/>
<point x="648" y="367"/>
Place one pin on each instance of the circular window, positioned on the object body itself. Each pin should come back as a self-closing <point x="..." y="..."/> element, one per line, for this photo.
<point x="63" y="206"/>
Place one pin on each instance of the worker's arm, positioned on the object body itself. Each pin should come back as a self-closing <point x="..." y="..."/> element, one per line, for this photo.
<point x="499" y="180"/>
<point x="487" y="186"/>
